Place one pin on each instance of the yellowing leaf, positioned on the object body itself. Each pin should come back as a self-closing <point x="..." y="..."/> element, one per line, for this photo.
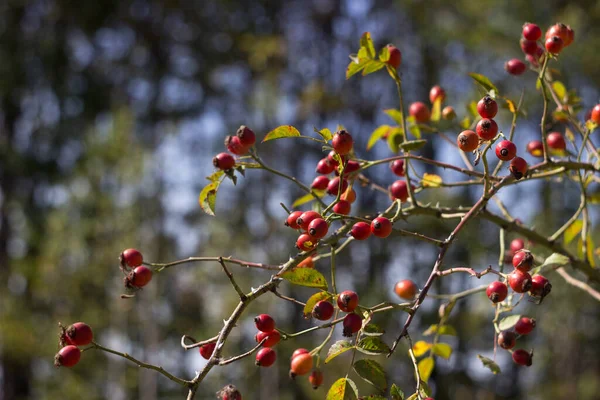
<point x="283" y="131"/>
<point x="314" y="299"/>
<point x="367" y="43"/>
<point x="572" y="231"/>
<point x="425" y="367"/>
<point x="396" y="115"/>
<point x="421" y="347"/>
<point x="355" y="67"/>
<point x="559" y="89"/>
<point x="511" y="106"/>
<point x="306" y="277"/>
<point x="436" y="110"/>
<point x="590" y="125"/>
<point x="325" y="133"/>
<point x="339" y="347"/>
<point x="342" y="389"/>
<point x="372" y="66"/>
<point x="208" y="197"/>
<point x="379" y="133"/>
<point x="443" y="350"/>
<point x="590" y="252"/>
<point x="431" y="180"/>
<point x="485" y="82"/>
<point x="307" y="198"/>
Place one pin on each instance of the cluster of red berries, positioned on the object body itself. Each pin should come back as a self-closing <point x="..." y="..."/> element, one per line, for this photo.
<point x="78" y="334"/>
<point x="137" y="275"/>
<point x="421" y="113"/>
<point x="347" y="301"/>
<point x="266" y="356"/>
<point x="508" y="339"/>
<point x="555" y="141"/>
<point x="313" y="226"/>
<point x="239" y="144"/>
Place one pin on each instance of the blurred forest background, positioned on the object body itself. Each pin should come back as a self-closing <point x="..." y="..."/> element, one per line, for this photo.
<point x="110" y="113"/>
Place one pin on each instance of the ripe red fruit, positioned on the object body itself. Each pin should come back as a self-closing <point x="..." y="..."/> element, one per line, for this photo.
<point x="516" y="245"/>
<point x="318" y="228"/>
<point x="316" y="378"/>
<point x="399" y="190"/>
<point x="224" y="161"/>
<point x="554" y="44"/>
<point x="272" y="337"/>
<point x="68" y="356"/>
<point x="347" y="301"/>
<point x="525" y="325"/>
<point x="420" y="111"/>
<point x="342" y="142"/>
<point x="564" y="32"/>
<point x="320" y="182"/>
<point x="292" y="219"/>
<point x="352" y="324"/>
<point x="229" y="392"/>
<point x="518" y="167"/>
<point x="131" y="258"/>
<point x="496" y="291"/>
<point x="435" y="92"/>
<point x="523" y="260"/>
<point x="305" y="242"/>
<point x="297" y="352"/>
<point x="406" y="289"/>
<point x="507" y="340"/>
<point x="506" y="150"/>
<point x="487" y="129"/>
<point x="515" y="66"/>
<point x="595" y="116"/>
<point x="308" y="262"/>
<point x="522" y="357"/>
<point x="529" y="46"/>
<point x="264" y="323"/>
<point x="265" y="357"/>
<point x="332" y="160"/>
<point x="301" y="365"/>
<point x="448" y="113"/>
<point x="519" y="281"/>
<point x="397" y="167"/>
<point x="306" y="218"/>
<point x="381" y="227"/>
<point x="467" y="141"/>
<point x="79" y="334"/>
<point x="487" y="107"/>
<point x="535" y="148"/>
<point x="139" y="277"/>
<point x="351" y="166"/>
<point x="556" y="141"/>
<point x="334" y="186"/>
<point x="235" y="146"/>
<point x="360" y="230"/>
<point x="395" y="56"/>
<point x="325" y="167"/>
<point x="323" y="310"/>
<point x="207" y="350"/>
<point x="349" y="196"/>
<point x="540" y="286"/>
<point x="531" y="31"/>
<point x="342" y="207"/>
<point x="246" y="135"/>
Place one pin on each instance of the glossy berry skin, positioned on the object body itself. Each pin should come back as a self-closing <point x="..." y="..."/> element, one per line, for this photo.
<point x="272" y="337"/>
<point x="467" y="141"/>
<point x="264" y="323"/>
<point x="140" y="276"/>
<point x="68" y="356"/>
<point x="496" y="291"/>
<point x="515" y="67"/>
<point x="524" y="326"/>
<point x="323" y="310"/>
<point x="395" y="56"/>
<point x="506" y="150"/>
<point x="301" y="365"/>
<point x="306" y="243"/>
<point x="564" y="32"/>
<point x="420" y="111"/>
<point x="292" y="219"/>
<point x="516" y="245"/>
<point x="518" y="167"/>
<point x="448" y="113"/>
<point x="318" y="228"/>
<point x="306" y="218"/>
<point x="522" y="357"/>
<point x="399" y="190"/>
<point x="316" y="378"/>
<point x="507" y="340"/>
<point x="352" y="324"/>
<point x="308" y="262"/>
<point x="207" y="350"/>
<point x="486" y="129"/>
<point x="523" y="260"/>
<point x="529" y="46"/>
<point x="349" y="196"/>
<point x="224" y="161"/>
<point x="246" y="135"/>
<point x="131" y="258"/>
<point x="360" y="230"/>
<point x="535" y="148"/>
<point x="406" y="289"/>
<point x="519" y="281"/>
<point x="556" y="141"/>
<point x="435" y="92"/>
<point x="351" y="166"/>
<point x="235" y="146"/>
<point x="487" y="107"/>
<point x="342" y="207"/>
<point x="347" y="301"/>
<point x="332" y="160"/>
<point x="325" y="167"/>
<point x="381" y="227"/>
<point x="540" y="286"/>
<point x="397" y="167"/>
<point x="342" y="142"/>
<point x="298" y="352"/>
<point x="265" y="357"/>
<point x="334" y="186"/>
<point x="531" y="31"/>
<point x="320" y="182"/>
<point x="595" y="115"/>
<point x="554" y="44"/>
<point x="79" y="334"/>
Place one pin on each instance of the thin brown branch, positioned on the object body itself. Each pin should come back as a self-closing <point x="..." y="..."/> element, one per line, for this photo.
<point x="579" y="284"/>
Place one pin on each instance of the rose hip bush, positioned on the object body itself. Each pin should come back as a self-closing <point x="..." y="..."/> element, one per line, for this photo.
<point x="326" y="226"/>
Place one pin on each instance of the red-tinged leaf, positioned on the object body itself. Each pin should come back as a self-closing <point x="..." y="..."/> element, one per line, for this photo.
<point x="342" y="389"/>
<point x="306" y="277"/>
<point x="284" y="131"/>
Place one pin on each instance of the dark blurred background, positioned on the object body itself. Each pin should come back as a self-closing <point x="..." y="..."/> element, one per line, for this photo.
<point x="110" y="113"/>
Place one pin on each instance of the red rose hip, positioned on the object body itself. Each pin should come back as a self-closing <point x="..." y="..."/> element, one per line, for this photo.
<point x="515" y="67"/>
<point x="323" y="310"/>
<point x="352" y="324"/>
<point x="496" y="291"/>
<point x="224" y="161"/>
<point x="397" y="167"/>
<point x="68" y="356"/>
<point x="506" y="150"/>
<point x="524" y="326"/>
<point x="522" y="357"/>
<point x="487" y="129"/>
<point x="360" y="230"/>
<point x="347" y="301"/>
<point x="540" y="286"/>
<point x="395" y="56"/>
<point x="420" y="112"/>
<point x="519" y="281"/>
<point x="246" y="135"/>
<point x="79" y="334"/>
<point x="306" y="218"/>
<point x="318" y="228"/>
<point x="320" y="183"/>
<point x="265" y="357"/>
<point x="342" y="142"/>
<point x="264" y="323"/>
<point x="518" y="167"/>
<point x="381" y="227"/>
<point x="487" y="107"/>
<point x="406" y="289"/>
<point x="207" y="350"/>
<point x="399" y="190"/>
<point x="531" y="31"/>
<point x="467" y="141"/>
<point x="131" y="258"/>
<point x="272" y="337"/>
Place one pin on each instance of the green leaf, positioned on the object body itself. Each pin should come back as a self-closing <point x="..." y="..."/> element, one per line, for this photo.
<point x="372" y="372"/>
<point x="342" y="389"/>
<point x="306" y="277"/>
<point x="508" y="322"/>
<point x="436" y="109"/>
<point x="465" y="123"/>
<point x="395" y="139"/>
<point x="307" y="198"/>
<point x="355" y="67"/>
<point x="415" y="130"/>
<point x="208" y="197"/>
<point x="372" y="66"/>
<point x="372" y="330"/>
<point x="384" y="54"/>
<point x="413" y="145"/>
<point x="560" y="89"/>
<point x="378" y="134"/>
<point x="425" y="367"/>
<point x="283" y="131"/>
<point x="421" y="347"/>
<point x="215" y="176"/>
<point x="590" y="125"/>
<point x="488" y="363"/>
<point x="443" y="350"/>
<point x="425" y="389"/>
<point x="431" y="180"/>
<point x="367" y="43"/>
<point x="572" y="231"/>
<point x="373" y="345"/>
<point x="485" y="83"/>
<point x="372" y="397"/>
<point x="396" y="393"/>
<point x="314" y="299"/>
<point x="396" y="115"/>
<point x="556" y="260"/>
<point x="325" y="133"/>
<point x="472" y="108"/>
<point x="339" y="347"/>
<point x="443" y="330"/>
<point x="413" y="396"/>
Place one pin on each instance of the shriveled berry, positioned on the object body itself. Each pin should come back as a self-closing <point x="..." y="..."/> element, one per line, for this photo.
<point x="207" y="350"/>
<point x="272" y="337"/>
<point x="437" y="92"/>
<point x="234" y="145"/>
<point x="540" y="286"/>
<point x="518" y="167"/>
<point x="360" y="230"/>
<point x="496" y="291"/>
<point x="531" y="31"/>
<point x="595" y="115"/>
<point x="224" y="161"/>
<point x="352" y="324"/>
<point x="535" y="148"/>
<point x="298" y="352"/>
<point x="381" y="227"/>
<point x="68" y="356"/>
<point x="316" y="378"/>
<point x="506" y="150"/>
<point x="406" y="289"/>
<point x="79" y="334"/>
<point x="556" y="141"/>
<point x="395" y="56"/>
<point x="519" y="281"/>
<point x="554" y="44"/>
<point x="265" y="357"/>
<point x="448" y="113"/>
<point x="305" y="242"/>
<point x="320" y="182"/>
<point x="467" y="141"/>
<point x="325" y="167"/>
<point x="349" y="195"/>
<point x="516" y="245"/>
<point x="487" y="107"/>
<point x="342" y="207"/>
<point x="529" y="46"/>
<point x="397" y="167"/>
<point x="308" y="262"/>
<point x="318" y="228"/>
<point x="131" y="258"/>
<point x="525" y="325"/>
<point x="301" y="365"/>
<point x="487" y="129"/>
<point x="507" y="340"/>
<point x="515" y="66"/>
<point x="347" y="301"/>
<point x="420" y="111"/>
<point x="399" y="190"/>
<point x="306" y="218"/>
<point x="334" y="186"/>
<point x="522" y="357"/>
<point x="246" y="135"/>
<point x="139" y="277"/>
<point x="229" y="392"/>
<point x="342" y="142"/>
<point x="523" y="260"/>
<point x="323" y="310"/>
<point x="264" y="323"/>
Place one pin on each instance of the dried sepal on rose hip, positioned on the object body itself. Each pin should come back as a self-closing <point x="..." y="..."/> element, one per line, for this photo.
<point x="229" y="392"/>
<point x="347" y="301"/>
<point x="523" y="260"/>
<point x="507" y="340"/>
<point x="138" y="278"/>
<point x="467" y="141"/>
<point x="351" y="324"/>
<point x="540" y="286"/>
<point x="497" y="291"/>
<point x="68" y="356"/>
<point x="78" y="334"/>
